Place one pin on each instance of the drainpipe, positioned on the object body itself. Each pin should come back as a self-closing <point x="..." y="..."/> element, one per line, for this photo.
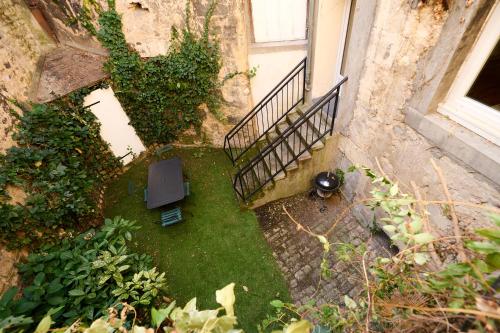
<point x="310" y="46"/>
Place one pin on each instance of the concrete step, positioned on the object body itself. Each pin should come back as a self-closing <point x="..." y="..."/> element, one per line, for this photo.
<point x="320" y="121"/>
<point x="254" y="178"/>
<point x="295" y="143"/>
<point x="283" y="152"/>
<point x="307" y="132"/>
<point x="274" y="166"/>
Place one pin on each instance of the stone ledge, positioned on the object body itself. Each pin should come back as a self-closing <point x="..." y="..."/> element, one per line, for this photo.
<point x="475" y="151"/>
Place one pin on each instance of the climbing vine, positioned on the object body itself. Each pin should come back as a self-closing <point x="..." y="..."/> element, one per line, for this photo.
<point x="162" y="95"/>
<point x="60" y="162"/>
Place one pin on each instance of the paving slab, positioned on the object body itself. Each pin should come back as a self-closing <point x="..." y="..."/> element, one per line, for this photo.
<point x="299" y="255"/>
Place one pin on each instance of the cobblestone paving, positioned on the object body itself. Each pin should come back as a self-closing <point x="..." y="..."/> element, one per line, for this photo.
<point x="299" y="255"/>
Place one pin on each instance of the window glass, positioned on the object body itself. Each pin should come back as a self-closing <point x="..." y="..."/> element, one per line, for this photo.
<point x="279" y="20"/>
<point x="486" y="87"/>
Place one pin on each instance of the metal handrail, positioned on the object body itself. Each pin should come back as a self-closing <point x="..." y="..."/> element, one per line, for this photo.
<point x="317" y="122"/>
<point x="233" y="145"/>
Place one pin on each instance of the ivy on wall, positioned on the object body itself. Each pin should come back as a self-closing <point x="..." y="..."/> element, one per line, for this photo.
<point x="162" y="95"/>
<point x="60" y="162"/>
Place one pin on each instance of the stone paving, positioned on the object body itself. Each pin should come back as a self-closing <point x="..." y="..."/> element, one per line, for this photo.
<point x="299" y="254"/>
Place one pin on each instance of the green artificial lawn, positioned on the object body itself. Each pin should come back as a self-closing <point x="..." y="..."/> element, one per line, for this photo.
<point x="217" y="243"/>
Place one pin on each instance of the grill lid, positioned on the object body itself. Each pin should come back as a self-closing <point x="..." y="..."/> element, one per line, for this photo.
<point x="326" y="181"/>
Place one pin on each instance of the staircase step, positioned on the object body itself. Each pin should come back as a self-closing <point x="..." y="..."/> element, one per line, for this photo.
<point x="283" y="153"/>
<point x="295" y="143"/>
<point x="321" y="122"/>
<point x="273" y="164"/>
<point x="261" y="173"/>
<point x="307" y="131"/>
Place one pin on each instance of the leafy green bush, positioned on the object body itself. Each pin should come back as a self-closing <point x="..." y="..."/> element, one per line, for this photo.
<point x="61" y="162"/>
<point x="162" y="95"/>
<point x="170" y="319"/>
<point x="83" y="276"/>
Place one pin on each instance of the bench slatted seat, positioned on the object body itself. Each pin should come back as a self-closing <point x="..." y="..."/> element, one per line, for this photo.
<point x="171" y="216"/>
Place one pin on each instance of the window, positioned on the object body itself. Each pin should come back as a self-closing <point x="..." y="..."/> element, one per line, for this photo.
<point x="279" y="20"/>
<point x="474" y="97"/>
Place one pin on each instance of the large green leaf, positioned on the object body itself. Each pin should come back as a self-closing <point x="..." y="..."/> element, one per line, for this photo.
<point x="226" y="298"/>
<point x="25" y="306"/>
<point x="158" y="316"/>
<point x="44" y="325"/>
<point x="483" y="247"/>
<point x="8" y="296"/>
<point x="76" y="292"/>
<point x="493" y="259"/>
<point x="302" y="326"/>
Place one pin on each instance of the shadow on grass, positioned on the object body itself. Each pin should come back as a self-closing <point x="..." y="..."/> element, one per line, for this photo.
<point x="217" y="243"/>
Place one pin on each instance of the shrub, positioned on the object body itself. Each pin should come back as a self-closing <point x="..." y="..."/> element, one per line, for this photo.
<point x="83" y="276"/>
<point x="61" y="162"/>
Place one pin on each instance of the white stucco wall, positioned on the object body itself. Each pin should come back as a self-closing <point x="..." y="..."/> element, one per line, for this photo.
<point x="327" y="41"/>
<point x="271" y="68"/>
<point x="115" y="128"/>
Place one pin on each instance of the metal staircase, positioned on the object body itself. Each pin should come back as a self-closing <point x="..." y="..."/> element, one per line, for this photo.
<point x="276" y="140"/>
<point x="270" y="111"/>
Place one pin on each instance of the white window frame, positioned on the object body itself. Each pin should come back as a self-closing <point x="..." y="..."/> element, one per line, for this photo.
<point x="343" y="38"/>
<point x="477" y="117"/>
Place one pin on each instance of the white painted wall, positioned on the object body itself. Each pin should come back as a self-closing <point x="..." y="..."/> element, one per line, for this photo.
<point x="115" y="128"/>
<point x="328" y="39"/>
<point x="271" y="69"/>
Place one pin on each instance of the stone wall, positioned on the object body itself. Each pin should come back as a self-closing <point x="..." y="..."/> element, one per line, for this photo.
<point x="147" y="27"/>
<point x="372" y="120"/>
<point x="22" y="42"/>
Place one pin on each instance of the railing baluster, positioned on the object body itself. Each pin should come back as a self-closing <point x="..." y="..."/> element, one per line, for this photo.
<point x="297" y="73"/>
<point x="257" y="174"/>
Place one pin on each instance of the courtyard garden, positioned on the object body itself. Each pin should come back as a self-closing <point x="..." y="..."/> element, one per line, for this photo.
<point x="218" y="241"/>
<point x="92" y="258"/>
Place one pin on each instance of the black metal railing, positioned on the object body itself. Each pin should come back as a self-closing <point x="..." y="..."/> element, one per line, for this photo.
<point x="271" y="110"/>
<point x="286" y="149"/>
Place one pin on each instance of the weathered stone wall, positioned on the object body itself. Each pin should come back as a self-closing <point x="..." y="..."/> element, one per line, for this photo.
<point x="147" y="27"/>
<point x="22" y="42"/>
<point x="60" y="17"/>
<point x="372" y="121"/>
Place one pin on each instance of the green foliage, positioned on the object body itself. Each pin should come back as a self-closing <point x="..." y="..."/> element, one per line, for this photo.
<point x="180" y="320"/>
<point x="83" y="276"/>
<point x="401" y="222"/>
<point x="211" y="209"/>
<point x="61" y="162"/>
<point x="162" y="95"/>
